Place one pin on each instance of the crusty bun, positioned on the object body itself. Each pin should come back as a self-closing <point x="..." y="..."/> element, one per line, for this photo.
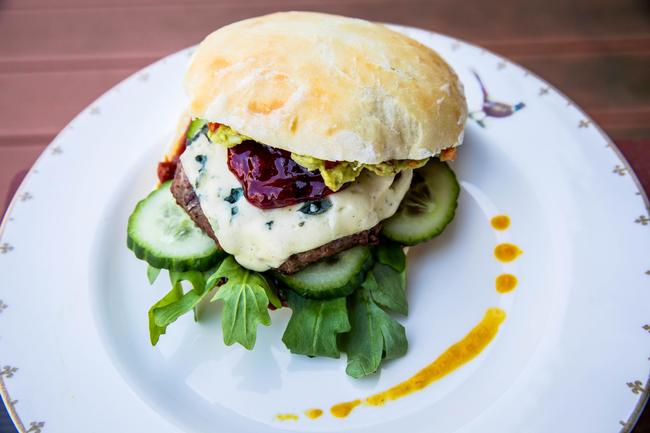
<point x="327" y="86"/>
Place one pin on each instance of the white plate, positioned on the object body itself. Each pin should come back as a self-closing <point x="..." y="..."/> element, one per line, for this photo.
<point x="572" y="354"/>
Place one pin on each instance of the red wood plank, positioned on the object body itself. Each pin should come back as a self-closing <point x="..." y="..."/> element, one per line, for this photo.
<point x="556" y="47"/>
<point x="637" y="152"/>
<point x="140" y="29"/>
<point x="628" y="124"/>
<point x="95" y="4"/>
<point x="36" y="106"/>
<point x="604" y="82"/>
<point x="75" y="63"/>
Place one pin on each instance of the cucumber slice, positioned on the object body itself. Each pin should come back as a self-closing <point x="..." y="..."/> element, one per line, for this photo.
<point x="161" y="233"/>
<point x="332" y="277"/>
<point x="427" y="208"/>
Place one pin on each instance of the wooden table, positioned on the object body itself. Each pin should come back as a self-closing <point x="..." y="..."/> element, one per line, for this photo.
<point x="56" y="56"/>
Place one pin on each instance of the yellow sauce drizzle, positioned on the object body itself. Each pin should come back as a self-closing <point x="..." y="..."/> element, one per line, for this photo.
<point x="501" y="222"/>
<point x="506" y="283"/>
<point x="313" y="413"/>
<point x="454" y="357"/>
<point x="342" y="410"/>
<point x="286" y="417"/>
<point x="507" y="252"/>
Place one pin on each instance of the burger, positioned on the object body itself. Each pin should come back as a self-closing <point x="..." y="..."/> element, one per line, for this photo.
<point x="312" y="152"/>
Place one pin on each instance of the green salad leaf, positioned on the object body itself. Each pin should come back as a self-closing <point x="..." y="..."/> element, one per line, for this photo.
<point x="167" y="314"/>
<point x="315" y="325"/>
<point x="152" y="274"/>
<point x="388" y="288"/>
<point x="360" y="324"/>
<point x="176" y="303"/>
<point x="155" y="331"/>
<point x="246" y="295"/>
<point x="375" y="335"/>
<point x="387" y="279"/>
<point x="392" y="254"/>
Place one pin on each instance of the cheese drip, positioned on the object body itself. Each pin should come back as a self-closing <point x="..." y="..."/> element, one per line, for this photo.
<point x="262" y="239"/>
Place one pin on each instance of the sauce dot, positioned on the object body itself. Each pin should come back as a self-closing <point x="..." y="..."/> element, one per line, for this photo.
<point x="507" y="252"/>
<point x="506" y="283"/>
<point x="313" y="413"/>
<point x="342" y="410"/>
<point x="286" y="417"/>
<point x="501" y="222"/>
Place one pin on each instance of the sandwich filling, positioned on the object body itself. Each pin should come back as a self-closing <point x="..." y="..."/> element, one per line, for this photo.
<point x="237" y="202"/>
<point x="335" y="174"/>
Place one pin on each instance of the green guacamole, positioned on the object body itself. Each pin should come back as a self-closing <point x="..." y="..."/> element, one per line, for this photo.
<point x="337" y="175"/>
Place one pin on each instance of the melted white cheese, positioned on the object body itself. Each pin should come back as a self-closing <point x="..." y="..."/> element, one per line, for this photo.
<point x="261" y="239"/>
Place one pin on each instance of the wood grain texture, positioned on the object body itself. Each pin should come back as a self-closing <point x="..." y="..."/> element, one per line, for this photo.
<point x="637" y="154"/>
<point x="56" y="56"/>
<point x="35" y="106"/>
<point x="105" y="28"/>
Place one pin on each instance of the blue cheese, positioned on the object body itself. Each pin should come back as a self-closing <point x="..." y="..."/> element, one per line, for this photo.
<point x="244" y="231"/>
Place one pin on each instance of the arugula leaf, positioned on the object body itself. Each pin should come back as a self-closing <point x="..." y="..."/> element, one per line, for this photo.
<point x="214" y="278"/>
<point x="174" y="304"/>
<point x="246" y="296"/>
<point x="392" y="254"/>
<point x="167" y="314"/>
<point x="374" y="335"/>
<point x="270" y="293"/>
<point x="155" y="331"/>
<point x="315" y="325"/>
<point x="388" y="288"/>
<point x="152" y="274"/>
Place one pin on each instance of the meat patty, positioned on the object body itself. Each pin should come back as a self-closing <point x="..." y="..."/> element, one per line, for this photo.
<point x="297" y="261"/>
<point x="186" y="198"/>
<point x="183" y="192"/>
